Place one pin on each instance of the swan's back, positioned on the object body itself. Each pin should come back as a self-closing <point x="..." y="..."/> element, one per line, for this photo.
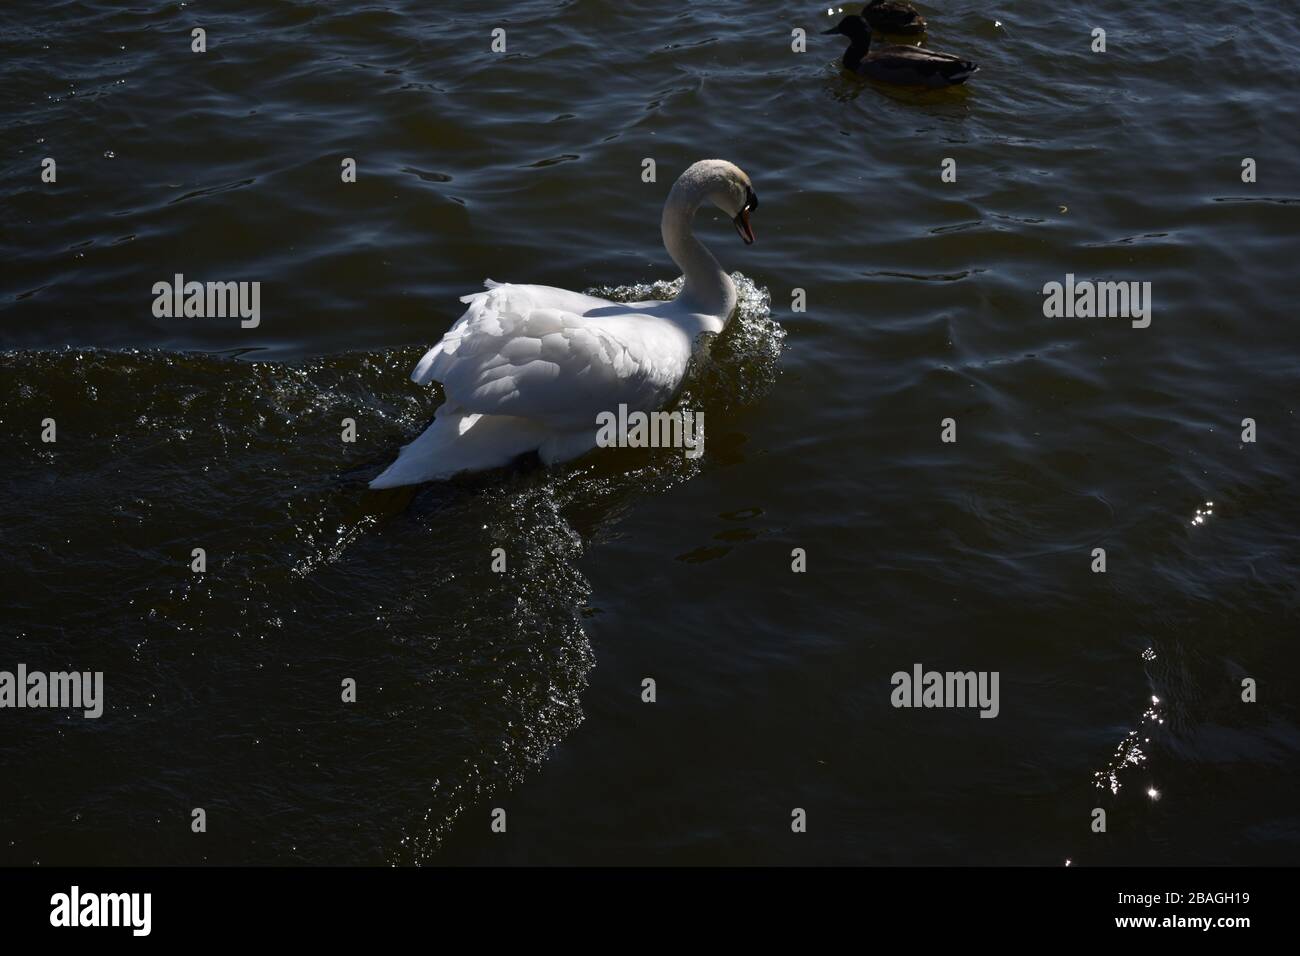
<point x="528" y="368"/>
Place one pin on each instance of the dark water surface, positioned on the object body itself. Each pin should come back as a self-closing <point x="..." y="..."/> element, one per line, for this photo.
<point x="478" y="690"/>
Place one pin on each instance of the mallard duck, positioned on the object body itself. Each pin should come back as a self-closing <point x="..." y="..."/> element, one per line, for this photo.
<point x="906" y="65"/>
<point x="893" y="16"/>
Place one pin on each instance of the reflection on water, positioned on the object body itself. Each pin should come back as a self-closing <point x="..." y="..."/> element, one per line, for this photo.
<point x="1130" y="752"/>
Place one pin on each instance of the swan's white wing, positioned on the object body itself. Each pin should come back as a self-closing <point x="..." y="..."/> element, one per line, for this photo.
<point x="528" y="351"/>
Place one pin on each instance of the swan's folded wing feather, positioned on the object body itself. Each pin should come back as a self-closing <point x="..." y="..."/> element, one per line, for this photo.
<point x="513" y="354"/>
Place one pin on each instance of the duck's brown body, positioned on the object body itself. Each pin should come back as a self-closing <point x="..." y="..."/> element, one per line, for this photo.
<point x="909" y="66"/>
<point x="903" y="65"/>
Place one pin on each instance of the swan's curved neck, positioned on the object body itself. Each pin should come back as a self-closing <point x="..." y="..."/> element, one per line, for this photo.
<point x="707" y="289"/>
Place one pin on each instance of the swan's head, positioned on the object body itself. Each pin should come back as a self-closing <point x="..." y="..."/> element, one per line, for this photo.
<point x="726" y="186"/>
<point x="853" y="27"/>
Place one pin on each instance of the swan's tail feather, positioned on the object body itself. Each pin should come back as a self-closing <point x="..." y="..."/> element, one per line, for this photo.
<point x="427" y="369"/>
<point x="421" y="374"/>
<point x="488" y="284"/>
<point x="457" y="442"/>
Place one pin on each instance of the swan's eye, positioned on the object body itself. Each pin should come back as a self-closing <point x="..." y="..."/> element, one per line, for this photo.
<point x="751" y="201"/>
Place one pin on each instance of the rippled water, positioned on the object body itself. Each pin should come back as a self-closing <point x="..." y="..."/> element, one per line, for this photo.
<point x="522" y="691"/>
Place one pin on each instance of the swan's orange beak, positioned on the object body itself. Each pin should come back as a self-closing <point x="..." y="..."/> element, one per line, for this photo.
<point x="742" y="219"/>
<point x="743" y="227"/>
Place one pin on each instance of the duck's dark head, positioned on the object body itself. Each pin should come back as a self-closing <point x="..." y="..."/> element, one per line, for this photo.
<point x="853" y="27"/>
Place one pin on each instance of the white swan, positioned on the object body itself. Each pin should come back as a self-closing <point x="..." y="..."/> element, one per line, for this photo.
<point x="529" y="367"/>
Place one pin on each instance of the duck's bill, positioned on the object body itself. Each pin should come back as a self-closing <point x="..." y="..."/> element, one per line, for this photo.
<point x="743" y="227"/>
